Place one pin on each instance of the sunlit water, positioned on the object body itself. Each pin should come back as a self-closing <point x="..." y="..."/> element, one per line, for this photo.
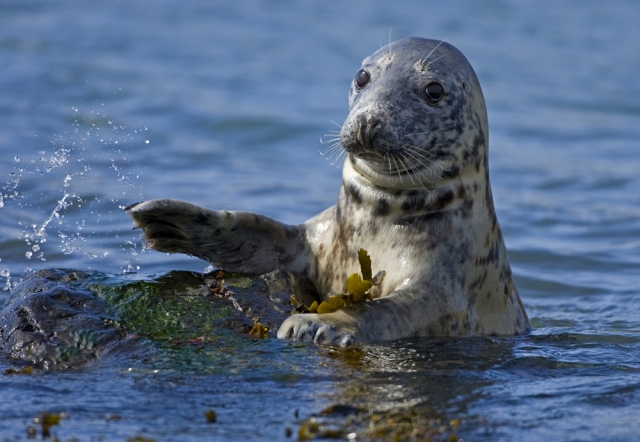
<point x="103" y="105"/>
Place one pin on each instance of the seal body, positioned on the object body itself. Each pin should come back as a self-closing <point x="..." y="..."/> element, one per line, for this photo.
<point x="415" y="194"/>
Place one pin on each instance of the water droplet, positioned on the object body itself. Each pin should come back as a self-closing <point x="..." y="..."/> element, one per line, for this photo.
<point x="28" y="254"/>
<point x="146" y="141"/>
<point x="35" y="247"/>
<point x="5" y="273"/>
<point x="16" y="159"/>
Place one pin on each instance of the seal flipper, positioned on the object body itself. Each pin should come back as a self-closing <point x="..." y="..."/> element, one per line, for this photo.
<point x="383" y="319"/>
<point x="241" y="242"/>
<point x="401" y="314"/>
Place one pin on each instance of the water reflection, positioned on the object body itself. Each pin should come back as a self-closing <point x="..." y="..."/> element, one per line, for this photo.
<point x="441" y="373"/>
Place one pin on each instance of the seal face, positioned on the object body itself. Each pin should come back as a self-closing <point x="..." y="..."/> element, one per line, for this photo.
<point x="415" y="194"/>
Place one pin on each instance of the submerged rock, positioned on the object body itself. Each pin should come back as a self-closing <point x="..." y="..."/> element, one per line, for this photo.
<point x="51" y="321"/>
<point x="60" y="318"/>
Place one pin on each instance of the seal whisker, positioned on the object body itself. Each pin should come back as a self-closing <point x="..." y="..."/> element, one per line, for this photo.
<point x="335" y="143"/>
<point x="433" y="61"/>
<point x="410" y="174"/>
<point x="419" y="172"/>
<point x="339" y="158"/>
<point x="414" y="169"/>
<point x="425" y="160"/>
<point x="427" y="157"/>
<point x="331" y="156"/>
<point x="397" y="168"/>
<point x="336" y="153"/>
<point x="336" y="158"/>
<point x="331" y="139"/>
<point x="332" y="151"/>
<point x="428" y="167"/>
<point x="422" y="62"/>
<point x="416" y="159"/>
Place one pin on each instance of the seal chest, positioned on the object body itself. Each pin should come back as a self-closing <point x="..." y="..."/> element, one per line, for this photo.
<point x="415" y="194"/>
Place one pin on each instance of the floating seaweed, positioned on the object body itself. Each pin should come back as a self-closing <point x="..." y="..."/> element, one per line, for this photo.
<point x="406" y="424"/>
<point x="28" y="370"/>
<point x="47" y="420"/>
<point x="210" y="416"/>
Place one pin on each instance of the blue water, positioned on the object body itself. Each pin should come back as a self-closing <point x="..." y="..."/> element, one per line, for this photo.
<point x="224" y="104"/>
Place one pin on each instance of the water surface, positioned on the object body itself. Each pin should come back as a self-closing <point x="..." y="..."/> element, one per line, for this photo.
<point x="224" y="105"/>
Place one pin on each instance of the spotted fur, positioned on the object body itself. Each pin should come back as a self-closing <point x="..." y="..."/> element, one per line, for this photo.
<point x="415" y="194"/>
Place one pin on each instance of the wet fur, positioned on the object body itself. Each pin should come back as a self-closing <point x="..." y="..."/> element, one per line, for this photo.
<point x="415" y="194"/>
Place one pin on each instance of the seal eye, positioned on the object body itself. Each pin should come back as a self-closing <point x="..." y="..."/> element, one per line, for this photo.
<point x="434" y="92"/>
<point x="362" y="78"/>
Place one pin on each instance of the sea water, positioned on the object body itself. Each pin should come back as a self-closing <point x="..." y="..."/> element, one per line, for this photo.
<point x="226" y="105"/>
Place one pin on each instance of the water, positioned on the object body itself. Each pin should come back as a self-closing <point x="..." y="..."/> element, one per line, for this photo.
<point x="224" y="105"/>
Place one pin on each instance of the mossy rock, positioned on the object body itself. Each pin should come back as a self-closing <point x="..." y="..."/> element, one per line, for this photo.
<point x="60" y="318"/>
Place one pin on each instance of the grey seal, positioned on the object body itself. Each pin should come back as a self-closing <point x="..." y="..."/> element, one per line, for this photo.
<point x="415" y="194"/>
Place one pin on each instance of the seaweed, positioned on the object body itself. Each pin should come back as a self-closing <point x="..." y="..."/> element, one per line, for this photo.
<point x="356" y="287"/>
<point x="406" y="424"/>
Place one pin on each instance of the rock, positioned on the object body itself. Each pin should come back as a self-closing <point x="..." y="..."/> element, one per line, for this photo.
<point x="61" y="318"/>
<point x="50" y="321"/>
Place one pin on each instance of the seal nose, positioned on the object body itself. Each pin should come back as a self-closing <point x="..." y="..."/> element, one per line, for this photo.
<point x="367" y="130"/>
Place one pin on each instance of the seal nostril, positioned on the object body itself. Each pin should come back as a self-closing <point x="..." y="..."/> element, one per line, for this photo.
<point x="373" y="123"/>
<point x="361" y="132"/>
<point x="367" y="130"/>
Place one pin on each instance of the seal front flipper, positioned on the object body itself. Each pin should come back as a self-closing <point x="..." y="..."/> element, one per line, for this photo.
<point x="235" y="241"/>
<point x="402" y="314"/>
<point x="383" y="319"/>
<point x="326" y="329"/>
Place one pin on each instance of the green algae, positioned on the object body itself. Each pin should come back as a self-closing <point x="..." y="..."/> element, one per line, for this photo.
<point x="162" y="310"/>
<point x="242" y="282"/>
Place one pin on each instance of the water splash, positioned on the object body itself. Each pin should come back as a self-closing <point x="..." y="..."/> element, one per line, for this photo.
<point x="80" y="159"/>
<point x="6" y="273"/>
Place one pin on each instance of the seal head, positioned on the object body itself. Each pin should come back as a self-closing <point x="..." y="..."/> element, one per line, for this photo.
<point x="417" y="115"/>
